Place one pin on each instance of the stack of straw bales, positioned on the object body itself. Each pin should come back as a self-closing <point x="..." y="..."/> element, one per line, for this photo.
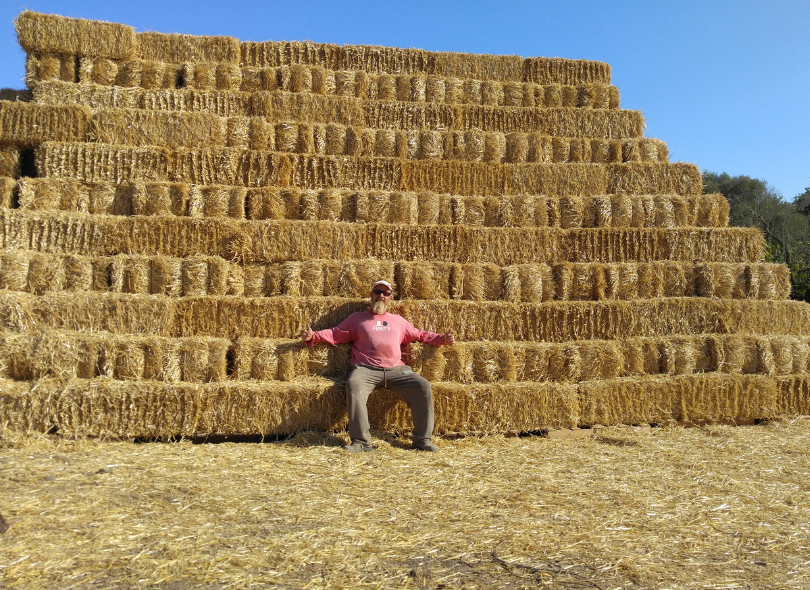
<point x="175" y="208"/>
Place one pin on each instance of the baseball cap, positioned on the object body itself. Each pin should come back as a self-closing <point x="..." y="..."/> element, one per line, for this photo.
<point x="386" y="283"/>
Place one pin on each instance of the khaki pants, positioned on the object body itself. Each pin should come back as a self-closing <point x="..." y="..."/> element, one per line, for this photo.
<point x="412" y="388"/>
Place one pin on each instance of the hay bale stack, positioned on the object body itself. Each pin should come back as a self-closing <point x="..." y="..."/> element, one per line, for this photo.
<point x="187" y="204"/>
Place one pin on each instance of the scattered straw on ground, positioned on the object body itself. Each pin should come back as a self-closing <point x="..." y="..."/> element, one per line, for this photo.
<point x="710" y="507"/>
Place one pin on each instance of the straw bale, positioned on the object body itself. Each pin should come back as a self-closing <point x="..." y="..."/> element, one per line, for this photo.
<point x="513" y="93"/>
<point x="780" y="275"/>
<point x="9" y="162"/>
<point x="571" y="212"/>
<point x="194" y="277"/>
<point x="344" y="83"/>
<point x="386" y="87"/>
<point x="801" y="355"/>
<point x="492" y="93"/>
<point x="650" y="281"/>
<point x="630" y="151"/>
<point x="186" y="48"/>
<point x="78" y="274"/>
<point x="286" y="135"/>
<point x="385" y="143"/>
<point x="129" y="363"/>
<point x="319" y="138"/>
<point x="403" y="84"/>
<point x="228" y="76"/>
<point x="26" y="124"/>
<point x="569" y="96"/>
<point x="40" y="68"/>
<point x="193" y="354"/>
<point x="781" y="348"/>
<point x="517" y="147"/>
<point x="38" y="195"/>
<point x="264" y="366"/>
<point x="93" y="407"/>
<point x="152" y="75"/>
<point x="665" y="212"/>
<point x="300" y="79"/>
<point x="453" y="90"/>
<point x="68" y="68"/>
<point x="216" y="201"/>
<point x="36" y="71"/>
<point x="200" y="76"/>
<point x="580" y="150"/>
<point x="167" y="276"/>
<point x="552" y="96"/>
<point x="52" y="34"/>
<point x="435" y="89"/>
<point x="657" y="399"/>
<point x="44" y="274"/>
<point x="653" y="178"/>
<point x="494" y="147"/>
<point x="423" y="280"/>
<point x="130" y="73"/>
<point x="362" y="84"/>
<point x="431" y="145"/>
<point x="50" y="354"/>
<point x="254" y="284"/>
<point x="471" y="92"/>
<point x="135" y="274"/>
<point x="159" y="200"/>
<point x="138" y="128"/>
<point x="793" y="395"/>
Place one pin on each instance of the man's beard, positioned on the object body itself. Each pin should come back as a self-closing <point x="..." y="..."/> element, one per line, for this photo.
<point x="379" y="307"/>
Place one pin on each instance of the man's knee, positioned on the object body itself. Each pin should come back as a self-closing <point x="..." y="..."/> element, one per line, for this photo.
<point x="423" y="384"/>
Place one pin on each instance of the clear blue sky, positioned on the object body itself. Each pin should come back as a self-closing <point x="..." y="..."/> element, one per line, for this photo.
<point x="725" y="83"/>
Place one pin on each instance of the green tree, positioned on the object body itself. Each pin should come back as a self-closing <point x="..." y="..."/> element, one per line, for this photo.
<point x="802" y="202"/>
<point x="754" y="203"/>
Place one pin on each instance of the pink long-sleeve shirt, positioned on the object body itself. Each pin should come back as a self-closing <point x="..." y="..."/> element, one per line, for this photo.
<point x="376" y="339"/>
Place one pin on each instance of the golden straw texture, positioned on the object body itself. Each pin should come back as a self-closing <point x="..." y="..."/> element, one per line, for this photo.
<point x="59" y="35"/>
<point x="257" y="241"/>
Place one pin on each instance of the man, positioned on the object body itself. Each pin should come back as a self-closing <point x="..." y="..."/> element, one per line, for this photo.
<point x="376" y="337"/>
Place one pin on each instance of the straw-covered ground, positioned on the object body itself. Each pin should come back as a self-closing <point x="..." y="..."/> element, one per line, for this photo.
<point x="709" y="507"/>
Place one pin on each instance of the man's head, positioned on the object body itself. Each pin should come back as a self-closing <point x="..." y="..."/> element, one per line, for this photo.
<point x="381" y="293"/>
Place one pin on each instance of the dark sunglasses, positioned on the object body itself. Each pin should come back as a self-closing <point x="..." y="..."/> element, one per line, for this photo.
<point x="381" y="292"/>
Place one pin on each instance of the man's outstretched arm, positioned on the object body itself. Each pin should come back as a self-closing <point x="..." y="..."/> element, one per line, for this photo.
<point x="338" y="335"/>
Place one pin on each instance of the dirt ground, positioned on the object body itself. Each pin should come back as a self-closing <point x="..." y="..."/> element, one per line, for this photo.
<point x="708" y="507"/>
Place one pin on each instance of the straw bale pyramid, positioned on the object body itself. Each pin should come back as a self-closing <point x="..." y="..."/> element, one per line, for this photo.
<point x="175" y="209"/>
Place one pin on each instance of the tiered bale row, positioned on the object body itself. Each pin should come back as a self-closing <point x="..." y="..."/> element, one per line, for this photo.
<point x="175" y="209"/>
<point x="70" y="354"/>
<point x="104" y="407"/>
<point x="281" y="316"/>
<point x="93" y="162"/>
<point x="282" y="240"/>
<point x="156" y="75"/>
<point x="56" y="35"/>
<point x="27" y="124"/>
<point x="195" y="276"/>
<point x="553" y="119"/>
<point x="400" y="208"/>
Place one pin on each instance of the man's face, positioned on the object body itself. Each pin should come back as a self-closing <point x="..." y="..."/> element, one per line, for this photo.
<point x="380" y="298"/>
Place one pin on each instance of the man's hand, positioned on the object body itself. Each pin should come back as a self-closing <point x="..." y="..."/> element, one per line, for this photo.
<point x="306" y="333"/>
<point x="449" y="339"/>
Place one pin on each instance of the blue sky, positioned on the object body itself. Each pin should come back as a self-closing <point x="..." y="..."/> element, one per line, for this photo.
<point x="725" y="83"/>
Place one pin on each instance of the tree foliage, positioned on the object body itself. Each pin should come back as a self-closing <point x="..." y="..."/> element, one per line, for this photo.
<point x="786" y="226"/>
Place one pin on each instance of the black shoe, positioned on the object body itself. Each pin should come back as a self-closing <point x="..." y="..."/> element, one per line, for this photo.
<point x="357" y="447"/>
<point x="426" y="445"/>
